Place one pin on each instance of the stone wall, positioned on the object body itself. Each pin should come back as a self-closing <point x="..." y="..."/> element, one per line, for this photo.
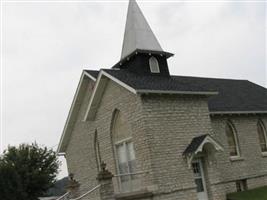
<point x="130" y="108"/>
<point x="171" y="122"/>
<point x="162" y="126"/>
<point x="80" y="154"/>
<point x="252" y="164"/>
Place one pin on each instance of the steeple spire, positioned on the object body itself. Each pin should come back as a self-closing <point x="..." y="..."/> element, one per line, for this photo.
<point x="138" y="34"/>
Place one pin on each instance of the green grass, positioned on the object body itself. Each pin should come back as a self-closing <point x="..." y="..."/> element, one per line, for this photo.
<point x="255" y="194"/>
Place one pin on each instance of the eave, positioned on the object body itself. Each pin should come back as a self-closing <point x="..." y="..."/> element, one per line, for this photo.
<point x="98" y="91"/>
<point x="142" y="51"/>
<point x="102" y="81"/>
<point x="197" y="145"/>
<point x="71" y="117"/>
<point x="206" y="93"/>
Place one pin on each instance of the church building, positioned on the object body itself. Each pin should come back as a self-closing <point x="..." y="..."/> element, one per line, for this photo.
<point x="135" y="131"/>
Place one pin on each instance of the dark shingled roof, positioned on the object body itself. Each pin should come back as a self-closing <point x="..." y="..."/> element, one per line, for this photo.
<point x="93" y="73"/>
<point x="233" y="95"/>
<point x="192" y="147"/>
<point x="155" y="82"/>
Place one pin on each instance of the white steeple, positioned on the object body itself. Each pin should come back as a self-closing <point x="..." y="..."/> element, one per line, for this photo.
<point x="138" y="34"/>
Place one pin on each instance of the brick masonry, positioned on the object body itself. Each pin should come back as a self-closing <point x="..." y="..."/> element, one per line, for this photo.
<point x="162" y="126"/>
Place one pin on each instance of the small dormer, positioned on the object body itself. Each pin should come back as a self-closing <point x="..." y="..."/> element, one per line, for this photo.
<point x="141" y="51"/>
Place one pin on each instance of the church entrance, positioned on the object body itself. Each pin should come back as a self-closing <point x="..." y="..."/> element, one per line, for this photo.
<point x="199" y="177"/>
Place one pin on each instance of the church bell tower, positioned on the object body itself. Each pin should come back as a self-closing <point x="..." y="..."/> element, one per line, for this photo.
<point x="141" y="51"/>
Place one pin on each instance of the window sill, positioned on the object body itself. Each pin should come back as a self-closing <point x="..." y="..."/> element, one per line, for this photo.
<point x="264" y="154"/>
<point x="236" y="158"/>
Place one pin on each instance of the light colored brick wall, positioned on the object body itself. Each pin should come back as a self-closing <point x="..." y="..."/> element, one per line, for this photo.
<point x="252" y="166"/>
<point x="252" y="163"/>
<point x="162" y="126"/>
<point x="80" y="154"/>
<point x="177" y="195"/>
<point x="171" y="122"/>
<point x="116" y="97"/>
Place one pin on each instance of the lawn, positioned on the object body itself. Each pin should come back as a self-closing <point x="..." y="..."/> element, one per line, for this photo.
<point x="255" y="194"/>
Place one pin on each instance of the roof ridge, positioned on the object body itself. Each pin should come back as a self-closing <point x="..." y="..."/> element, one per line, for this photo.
<point x="91" y="70"/>
<point x="174" y="76"/>
<point x="209" y="78"/>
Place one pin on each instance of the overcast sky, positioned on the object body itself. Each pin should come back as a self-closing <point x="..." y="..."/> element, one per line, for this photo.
<point x="46" y="46"/>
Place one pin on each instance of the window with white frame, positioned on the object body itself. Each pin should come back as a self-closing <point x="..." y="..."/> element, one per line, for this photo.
<point x="124" y="153"/>
<point x="262" y="136"/>
<point x="232" y="139"/>
<point x="154" y="65"/>
<point x="126" y="160"/>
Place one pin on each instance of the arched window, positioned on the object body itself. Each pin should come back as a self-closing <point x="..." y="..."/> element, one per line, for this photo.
<point x="154" y="65"/>
<point x="262" y="136"/>
<point x="124" y="152"/>
<point x="232" y="139"/>
<point x="97" y="151"/>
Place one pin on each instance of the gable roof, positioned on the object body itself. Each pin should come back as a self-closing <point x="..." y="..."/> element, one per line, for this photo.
<point x="92" y="73"/>
<point x="226" y="95"/>
<point x="73" y="113"/>
<point x="232" y="95"/>
<point x="159" y="84"/>
<point x="138" y="84"/>
<point x="197" y="144"/>
<point x="194" y="144"/>
<point x="235" y="95"/>
<point x="138" y="34"/>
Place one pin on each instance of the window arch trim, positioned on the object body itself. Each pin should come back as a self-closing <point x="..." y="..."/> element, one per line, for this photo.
<point x="261" y="125"/>
<point x="230" y="124"/>
<point x="124" y="154"/>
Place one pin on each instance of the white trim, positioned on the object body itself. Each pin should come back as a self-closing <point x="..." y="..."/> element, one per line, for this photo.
<point x="203" y="178"/>
<point x="236" y="140"/>
<point x="103" y="73"/>
<point x="119" y="82"/>
<point x="90" y="76"/>
<point x="261" y="124"/>
<point x="210" y="140"/>
<point x="236" y="158"/>
<point x="142" y="91"/>
<point x="237" y="112"/>
<point x="72" y="107"/>
<point x="123" y="141"/>
<point x="93" y="94"/>
<point x="116" y="144"/>
<point x="129" y="88"/>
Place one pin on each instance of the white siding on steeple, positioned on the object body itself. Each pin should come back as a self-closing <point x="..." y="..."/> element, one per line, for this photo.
<point x="138" y="34"/>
